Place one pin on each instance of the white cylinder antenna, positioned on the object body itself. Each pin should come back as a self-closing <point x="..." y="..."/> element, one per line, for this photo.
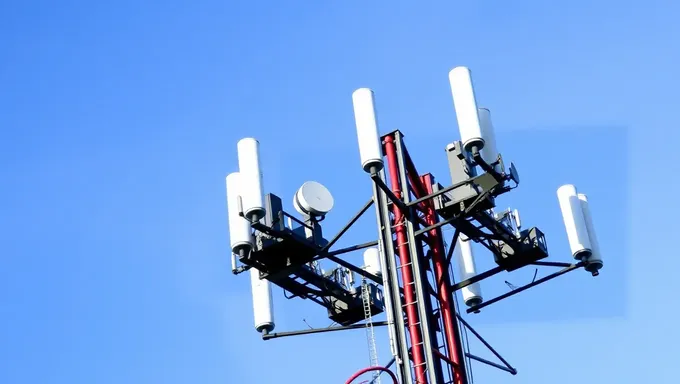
<point x="240" y="237"/>
<point x="252" y="195"/>
<point x="372" y="261"/>
<point x="263" y="308"/>
<point x="370" y="148"/>
<point x="489" y="152"/>
<point x="574" y="222"/>
<point x="518" y="222"/>
<point x="595" y="262"/>
<point x="313" y="199"/>
<point x="465" y="105"/>
<point x="472" y="294"/>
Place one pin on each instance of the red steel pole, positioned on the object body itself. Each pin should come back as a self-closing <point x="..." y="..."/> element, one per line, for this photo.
<point x="405" y="261"/>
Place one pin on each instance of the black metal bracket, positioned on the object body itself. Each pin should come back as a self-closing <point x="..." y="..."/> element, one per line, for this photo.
<point x="561" y="272"/>
<point x="477" y="157"/>
<point x="347" y="226"/>
<point x="390" y="195"/>
<point x="552" y="264"/>
<point x="511" y="371"/>
<point x="241" y="269"/>
<point x="277" y="335"/>
<point x="476" y="278"/>
<point x="449" y="253"/>
<point x="442" y="191"/>
<point x="355" y="269"/>
<point x="451" y="220"/>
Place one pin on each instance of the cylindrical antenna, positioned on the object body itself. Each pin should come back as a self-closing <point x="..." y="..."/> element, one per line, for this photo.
<point x="240" y="236"/>
<point x="372" y="261"/>
<point x="370" y="148"/>
<point x="252" y="194"/>
<point x="472" y="294"/>
<point x="518" y="221"/>
<point x="263" y="308"/>
<point x="595" y="262"/>
<point x="465" y="104"/>
<point x="489" y="152"/>
<point x="574" y="222"/>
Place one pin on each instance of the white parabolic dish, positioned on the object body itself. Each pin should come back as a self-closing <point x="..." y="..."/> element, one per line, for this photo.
<point x="313" y="199"/>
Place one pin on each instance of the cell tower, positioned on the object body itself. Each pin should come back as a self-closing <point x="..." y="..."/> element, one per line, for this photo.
<point x="408" y="272"/>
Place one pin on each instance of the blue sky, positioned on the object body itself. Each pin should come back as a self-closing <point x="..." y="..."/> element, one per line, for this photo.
<point x="119" y="123"/>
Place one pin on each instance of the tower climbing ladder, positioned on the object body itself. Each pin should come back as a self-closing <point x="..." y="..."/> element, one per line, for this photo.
<point x="370" y="335"/>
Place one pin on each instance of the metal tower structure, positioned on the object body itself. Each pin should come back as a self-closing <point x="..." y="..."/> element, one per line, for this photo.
<point x="410" y="275"/>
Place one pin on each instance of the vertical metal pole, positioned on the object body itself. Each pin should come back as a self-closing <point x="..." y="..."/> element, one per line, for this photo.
<point x="446" y="302"/>
<point x="411" y="288"/>
<point x="391" y="293"/>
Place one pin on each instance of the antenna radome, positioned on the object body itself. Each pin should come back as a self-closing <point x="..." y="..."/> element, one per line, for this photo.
<point x="489" y="152"/>
<point x="518" y="221"/>
<point x="263" y="307"/>
<point x="465" y="104"/>
<point x="574" y="222"/>
<point x="251" y="179"/>
<point x="240" y="237"/>
<point x="370" y="148"/>
<point x="595" y="262"/>
<point x="472" y="294"/>
<point x="372" y="261"/>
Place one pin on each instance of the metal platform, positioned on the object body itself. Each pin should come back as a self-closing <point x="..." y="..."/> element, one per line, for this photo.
<point x="285" y="256"/>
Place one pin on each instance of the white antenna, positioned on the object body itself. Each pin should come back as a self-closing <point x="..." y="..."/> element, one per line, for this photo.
<point x="472" y="294"/>
<point x="515" y="213"/>
<point x="313" y="199"/>
<point x="489" y="152"/>
<point x="252" y="194"/>
<point x="370" y="148"/>
<point x="240" y="237"/>
<point x="372" y="261"/>
<point x="574" y="222"/>
<point x="465" y="104"/>
<point x="263" y="308"/>
<point x="595" y="262"/>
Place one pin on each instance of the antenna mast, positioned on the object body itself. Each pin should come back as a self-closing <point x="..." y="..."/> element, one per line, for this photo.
<point x="408" y="270"/>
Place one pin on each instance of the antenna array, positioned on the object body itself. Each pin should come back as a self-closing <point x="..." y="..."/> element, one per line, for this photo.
<point x="407" y="276"/>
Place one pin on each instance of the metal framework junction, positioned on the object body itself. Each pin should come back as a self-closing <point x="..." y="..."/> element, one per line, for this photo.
<point x="415" y="287"/>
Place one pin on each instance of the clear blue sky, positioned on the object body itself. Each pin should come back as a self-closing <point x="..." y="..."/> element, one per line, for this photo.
<point x="119" y="123"/>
